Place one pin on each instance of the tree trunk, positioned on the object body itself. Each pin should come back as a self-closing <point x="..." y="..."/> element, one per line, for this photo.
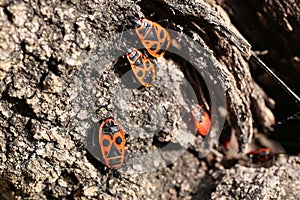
<point x="62" y="71"/>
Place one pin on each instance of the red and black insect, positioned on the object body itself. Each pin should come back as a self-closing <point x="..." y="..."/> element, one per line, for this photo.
<point x="201" y="119"/>
<point x="143" y="68"/>
<point x="106" y="143"/>
<point x="112" y="143"/>
<point x="261" y="154"/>
<point x="154" y="37"/>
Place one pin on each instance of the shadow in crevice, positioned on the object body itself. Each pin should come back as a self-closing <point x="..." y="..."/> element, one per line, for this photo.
<point x="7" y="189"/>
<point x="206" y="186"/>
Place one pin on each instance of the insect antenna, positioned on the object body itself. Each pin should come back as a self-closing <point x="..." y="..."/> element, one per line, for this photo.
<point x="278" y="80"/>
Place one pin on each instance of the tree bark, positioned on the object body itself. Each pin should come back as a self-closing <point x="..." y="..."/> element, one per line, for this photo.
<point x="55" y="86"/>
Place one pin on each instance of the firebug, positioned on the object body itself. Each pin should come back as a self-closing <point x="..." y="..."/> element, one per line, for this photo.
<point x="112" y="143"/>
<point x="201" y="119"/>
<point x="154" y="37"/>
<point x="261" y="154"/>
<point x="143" y="68"/>
<point x="106" y="143"/>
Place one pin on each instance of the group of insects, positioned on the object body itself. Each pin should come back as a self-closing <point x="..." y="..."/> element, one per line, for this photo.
<point x="156" y="41"/>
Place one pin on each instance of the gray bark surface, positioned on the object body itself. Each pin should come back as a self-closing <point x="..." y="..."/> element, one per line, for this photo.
<point x="44" y="109"/>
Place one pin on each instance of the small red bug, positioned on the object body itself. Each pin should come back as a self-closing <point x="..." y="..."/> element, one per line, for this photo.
<point x="227" y="143"/>
<point x="201" y="119"/>
<point x="261" y="154"/>
<point x="106" y="143"/>
<point x="112" y="143"/>
<point x="143" y="68"/>
<point x="154" y="37"/>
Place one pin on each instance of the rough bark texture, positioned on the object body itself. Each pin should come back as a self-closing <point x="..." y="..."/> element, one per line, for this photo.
<point x="276" y="182"/>
<point x="48" y="92"/>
